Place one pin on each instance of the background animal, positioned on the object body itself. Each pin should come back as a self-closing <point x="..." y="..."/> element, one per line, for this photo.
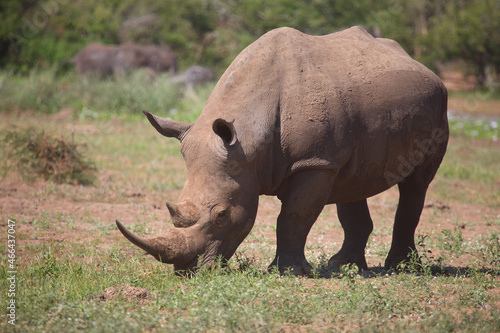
<point x="199" y="74"/>
<point x="96" y="58"/>
<point x="313" y="120"/>
<point x="195" y="75"/>
<point x="107" y="60"/>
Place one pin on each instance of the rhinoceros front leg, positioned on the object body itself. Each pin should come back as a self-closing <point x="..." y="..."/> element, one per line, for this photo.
<point x="357" y="224"/>
<point x="303" y="198"/>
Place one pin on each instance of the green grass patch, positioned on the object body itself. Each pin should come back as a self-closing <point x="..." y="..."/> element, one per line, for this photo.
<point x="123" y="96"/>
<point x="485" y="128"/>
<point x="469" y="172"/>
<point x="112" y="290"/>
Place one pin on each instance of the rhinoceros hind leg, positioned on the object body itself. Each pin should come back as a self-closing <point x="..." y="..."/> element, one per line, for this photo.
<point x="357" y="224"/>
<point x="411" y="203"/>
<point x="412" y="193"/>
<point x="303" y="197"/>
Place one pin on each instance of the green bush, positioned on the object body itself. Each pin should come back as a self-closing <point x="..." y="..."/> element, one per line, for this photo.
<point x="45" y="93"/>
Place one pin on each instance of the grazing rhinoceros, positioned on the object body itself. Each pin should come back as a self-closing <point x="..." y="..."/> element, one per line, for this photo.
<point x="314" y="120"/>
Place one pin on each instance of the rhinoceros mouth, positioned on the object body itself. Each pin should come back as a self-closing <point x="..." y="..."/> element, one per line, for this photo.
<point x="200" y="261"/>
<point x="186" y="269"/>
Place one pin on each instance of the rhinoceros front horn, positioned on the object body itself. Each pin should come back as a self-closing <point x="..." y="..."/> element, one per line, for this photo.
<point x="172" y="248"/>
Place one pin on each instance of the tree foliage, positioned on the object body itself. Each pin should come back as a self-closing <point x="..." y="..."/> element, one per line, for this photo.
<point x="46" y="32"/>
<point x="468" y="30"/>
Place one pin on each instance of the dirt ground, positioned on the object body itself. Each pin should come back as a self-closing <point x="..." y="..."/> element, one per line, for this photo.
<point x="19" y="200"/>
<point x="48" y="214"/>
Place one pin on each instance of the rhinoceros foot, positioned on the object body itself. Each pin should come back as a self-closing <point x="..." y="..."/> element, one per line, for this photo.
<point x="341" y="259"/>
<point x="295" y="265"/>
<point x="403" y="260"/>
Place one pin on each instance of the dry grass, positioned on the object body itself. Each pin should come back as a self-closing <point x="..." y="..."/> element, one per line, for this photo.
<point x="33" y="153"/>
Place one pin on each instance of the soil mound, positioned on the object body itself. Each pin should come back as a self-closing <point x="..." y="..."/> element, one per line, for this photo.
<point x="125" y="291"/>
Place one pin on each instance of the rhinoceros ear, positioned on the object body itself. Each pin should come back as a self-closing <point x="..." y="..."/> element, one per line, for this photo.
<point x="167" y="127"/>
<point x="225" y="130"/>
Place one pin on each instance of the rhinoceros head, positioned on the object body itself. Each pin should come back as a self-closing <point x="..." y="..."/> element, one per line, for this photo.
<point x="217" y="207"/>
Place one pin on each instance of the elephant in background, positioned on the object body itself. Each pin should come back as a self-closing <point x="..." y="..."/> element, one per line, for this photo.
<point x="106" y="60"/>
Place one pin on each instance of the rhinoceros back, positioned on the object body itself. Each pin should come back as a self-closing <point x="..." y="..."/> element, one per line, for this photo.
<point x="358" y="104"/>
<point x="345" y="101"/>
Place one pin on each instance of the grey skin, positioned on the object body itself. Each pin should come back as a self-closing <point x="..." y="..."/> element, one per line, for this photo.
<point x="313" y="120"/>
<point x="95" y="58"/>
<point x="106" y="60"/>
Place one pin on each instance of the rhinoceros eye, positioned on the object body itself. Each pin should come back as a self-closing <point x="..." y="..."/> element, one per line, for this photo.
<point x="222" y="214"/>
<point x="221" y="217"/>
<point x="219" y="214"/>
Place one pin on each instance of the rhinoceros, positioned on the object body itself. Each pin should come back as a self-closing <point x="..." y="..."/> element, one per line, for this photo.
<point x="313" y="120"/>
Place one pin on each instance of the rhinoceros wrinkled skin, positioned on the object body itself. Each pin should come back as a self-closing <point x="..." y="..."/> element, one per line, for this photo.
<point x="314" y="120"/>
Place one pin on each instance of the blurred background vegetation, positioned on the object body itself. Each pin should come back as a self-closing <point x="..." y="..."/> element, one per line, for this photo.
<point x="42" y="34"/>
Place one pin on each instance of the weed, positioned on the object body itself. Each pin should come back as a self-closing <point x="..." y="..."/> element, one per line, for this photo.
<point x="34" y="154"/>
<point x="452" y="241"/>
<point x="412" y="265"/>
<point x="487" y="250"/>
<point x="423" y="263"/>
<point x="42" y="221"/>
<point x="48" y="266"/>
<point x="490" y="221"/>
<point x="139" y="228"/>
<point x="104" y="228"/>
<point x="244" y="263"/>
<point x="348" y="273"/>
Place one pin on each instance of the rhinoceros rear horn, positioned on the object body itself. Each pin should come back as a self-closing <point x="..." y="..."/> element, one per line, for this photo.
<point x="184" y="215"/>
<point x="171" y="248"/>
<point x="167" y="127"/>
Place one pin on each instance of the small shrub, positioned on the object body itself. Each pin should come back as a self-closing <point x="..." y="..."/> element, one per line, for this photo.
<point x="36" y="154"/>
